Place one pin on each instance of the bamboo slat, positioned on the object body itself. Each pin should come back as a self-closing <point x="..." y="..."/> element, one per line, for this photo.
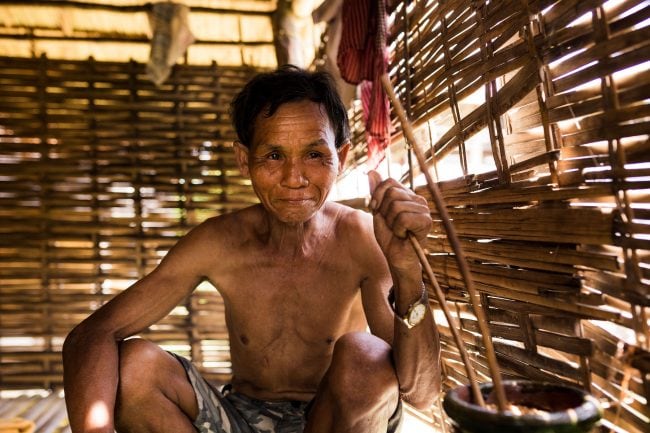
<point x="552" y="97"/>
<point x="100" y="174"/>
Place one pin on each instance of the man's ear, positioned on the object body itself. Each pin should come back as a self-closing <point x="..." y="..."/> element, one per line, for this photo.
<point x="241" y="153"/>
<point x="343" y="154"/>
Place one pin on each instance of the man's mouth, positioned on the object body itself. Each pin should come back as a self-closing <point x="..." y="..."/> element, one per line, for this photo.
<point x="295" y="200"/>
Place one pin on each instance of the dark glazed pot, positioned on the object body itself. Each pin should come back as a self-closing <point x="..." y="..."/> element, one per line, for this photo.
<point x="567" y="409"/>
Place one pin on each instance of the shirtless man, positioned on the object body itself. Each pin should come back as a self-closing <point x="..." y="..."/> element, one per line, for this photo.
<point x="301" y="279"/>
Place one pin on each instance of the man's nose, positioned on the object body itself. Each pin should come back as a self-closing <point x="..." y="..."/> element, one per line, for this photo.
<point x="293" y="175"/>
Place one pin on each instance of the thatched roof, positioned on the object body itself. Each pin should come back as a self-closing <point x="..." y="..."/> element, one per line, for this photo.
<point x="230" y="32"/>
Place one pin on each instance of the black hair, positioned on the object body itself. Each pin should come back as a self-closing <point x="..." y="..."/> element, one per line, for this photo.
<point x="267" y="91"/>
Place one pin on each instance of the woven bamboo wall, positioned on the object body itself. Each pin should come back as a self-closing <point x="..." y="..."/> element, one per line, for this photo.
<point x="100" y="173"/>
<point x="557" y="231"/>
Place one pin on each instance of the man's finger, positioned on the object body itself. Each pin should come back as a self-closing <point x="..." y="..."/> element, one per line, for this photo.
<point x="374" y="179"/>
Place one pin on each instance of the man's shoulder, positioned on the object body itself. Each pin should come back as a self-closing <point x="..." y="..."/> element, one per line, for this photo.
<point x="235" y="220"/>
<point x="231" y="225"/>
<point x="351" y="220"/>
<point x="355" y="235"/>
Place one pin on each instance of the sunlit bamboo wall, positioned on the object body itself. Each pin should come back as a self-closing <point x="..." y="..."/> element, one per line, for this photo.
<point x="557" y="228"/>
<point x="100" y="173"/>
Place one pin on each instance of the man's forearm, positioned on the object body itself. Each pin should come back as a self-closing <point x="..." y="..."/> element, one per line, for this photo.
<point x="90" y="364"/>
<point x="416" y="351"/>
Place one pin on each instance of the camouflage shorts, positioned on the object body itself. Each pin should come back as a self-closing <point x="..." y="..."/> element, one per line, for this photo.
<point x="232" y="412"/>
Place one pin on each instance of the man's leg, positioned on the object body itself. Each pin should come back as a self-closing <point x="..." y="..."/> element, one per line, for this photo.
<point x="359" y="392"/>
<point x="154" y="394"/>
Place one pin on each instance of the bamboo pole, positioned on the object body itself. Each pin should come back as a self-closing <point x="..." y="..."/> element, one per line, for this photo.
<point x="455" y="243"/>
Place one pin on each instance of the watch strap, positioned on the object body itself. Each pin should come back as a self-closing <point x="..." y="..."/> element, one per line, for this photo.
<point x="405" y="318"/>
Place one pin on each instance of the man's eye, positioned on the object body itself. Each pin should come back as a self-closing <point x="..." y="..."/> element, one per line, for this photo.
<point x="273" y="156"/>
<point x="315" y="154"/>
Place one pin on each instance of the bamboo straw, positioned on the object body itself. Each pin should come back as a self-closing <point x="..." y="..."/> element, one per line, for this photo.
<point x="455" y="243"/>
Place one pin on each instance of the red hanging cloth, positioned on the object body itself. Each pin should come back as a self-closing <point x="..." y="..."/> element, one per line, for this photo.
<point x="362" y="59"/>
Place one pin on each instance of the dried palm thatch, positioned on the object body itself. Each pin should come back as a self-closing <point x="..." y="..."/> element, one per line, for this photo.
<point x="232" y="32"/>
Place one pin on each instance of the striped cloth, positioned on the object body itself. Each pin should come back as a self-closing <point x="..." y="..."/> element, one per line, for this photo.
<point x="362" y="59"/>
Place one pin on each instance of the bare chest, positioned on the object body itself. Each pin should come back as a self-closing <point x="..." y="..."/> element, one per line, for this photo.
<point x="270" y="299"/>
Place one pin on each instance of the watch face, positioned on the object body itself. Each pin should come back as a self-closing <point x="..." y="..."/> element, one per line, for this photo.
<point x="417" y="314"/>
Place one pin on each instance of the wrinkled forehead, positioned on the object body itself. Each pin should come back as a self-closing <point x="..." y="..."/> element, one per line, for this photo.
<point x="297" y="119"/>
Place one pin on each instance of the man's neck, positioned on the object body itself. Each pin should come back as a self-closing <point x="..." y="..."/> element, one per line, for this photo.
<point x="295" y="240"/>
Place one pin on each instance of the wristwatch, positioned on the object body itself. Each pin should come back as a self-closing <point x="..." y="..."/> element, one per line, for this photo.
<point x="416" y="311"/>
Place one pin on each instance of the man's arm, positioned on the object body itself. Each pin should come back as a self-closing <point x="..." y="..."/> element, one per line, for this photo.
<point x="397" y="211"/>
<point x="90" y="352"/>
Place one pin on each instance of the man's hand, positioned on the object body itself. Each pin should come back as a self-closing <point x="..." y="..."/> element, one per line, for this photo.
<point x="398" y="211"/>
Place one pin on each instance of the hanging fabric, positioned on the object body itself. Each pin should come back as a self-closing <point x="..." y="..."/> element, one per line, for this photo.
<point x="362" y="59"/>
<point x="171" y="37"/>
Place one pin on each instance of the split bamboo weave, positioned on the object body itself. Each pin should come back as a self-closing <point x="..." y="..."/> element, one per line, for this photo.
<point x="100" y="174"/>
<point x="556" y="227"/>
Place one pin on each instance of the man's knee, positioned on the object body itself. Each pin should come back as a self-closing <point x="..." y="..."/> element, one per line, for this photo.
<point x="151" y="384"/>
<point x="137" y="359"/>
<point x="362" y="366"/>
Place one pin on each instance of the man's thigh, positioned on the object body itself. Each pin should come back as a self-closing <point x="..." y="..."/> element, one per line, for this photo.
<point x="213" y="413"/>
<point x="394" y="422"/>
<point x="230" y="412"/>
<point x="360" y="388"/>
<point x="152" y="384"/>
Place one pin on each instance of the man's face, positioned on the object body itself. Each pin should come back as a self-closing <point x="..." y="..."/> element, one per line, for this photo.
<point x="293" y="161"/>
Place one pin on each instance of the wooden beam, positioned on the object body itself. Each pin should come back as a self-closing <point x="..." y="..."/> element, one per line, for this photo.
<point x="121" y="39"/>
<point x="144" y="7"/>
